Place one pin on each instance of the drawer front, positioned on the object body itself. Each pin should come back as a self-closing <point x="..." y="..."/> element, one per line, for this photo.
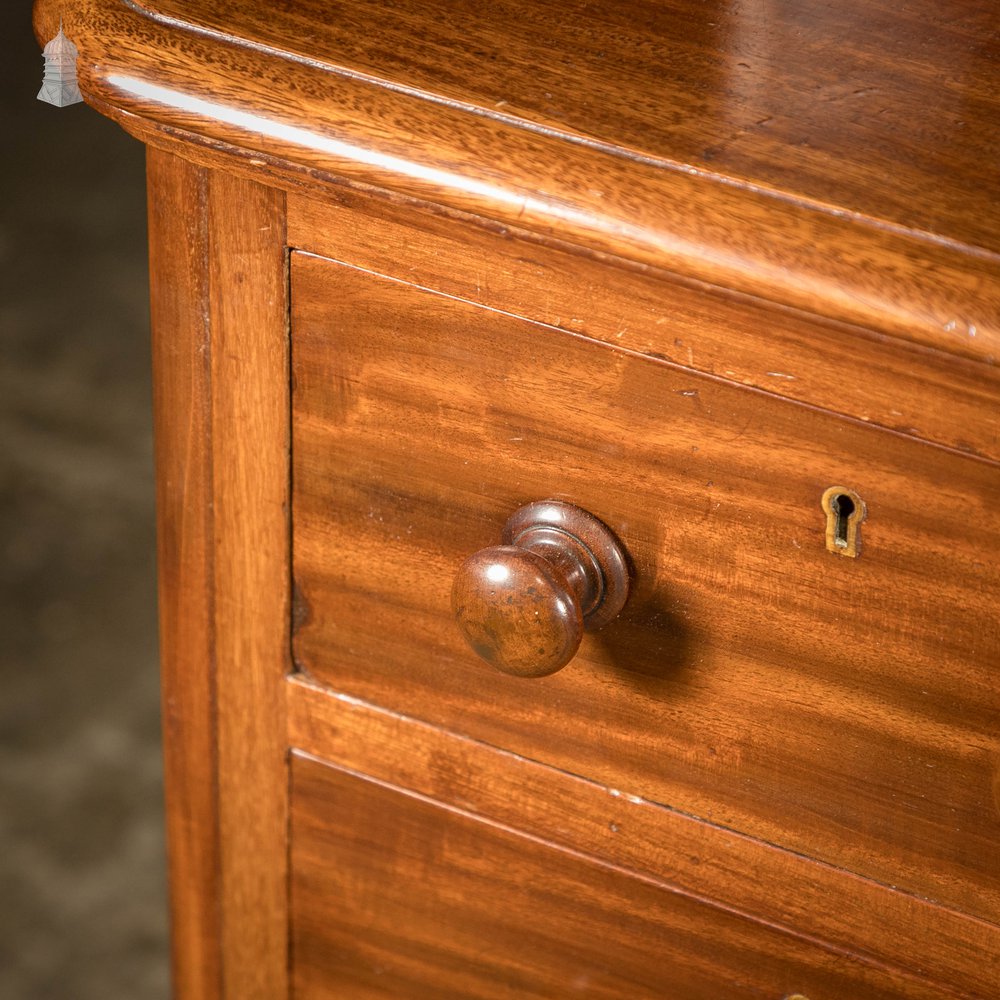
<point x="843" y="707"/>
<point x="397" y="895"/>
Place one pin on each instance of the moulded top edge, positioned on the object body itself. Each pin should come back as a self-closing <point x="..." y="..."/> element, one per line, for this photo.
<point x="695" y="138"/>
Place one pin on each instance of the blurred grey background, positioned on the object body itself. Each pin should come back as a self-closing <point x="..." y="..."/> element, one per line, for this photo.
<point x="82" y="894"/>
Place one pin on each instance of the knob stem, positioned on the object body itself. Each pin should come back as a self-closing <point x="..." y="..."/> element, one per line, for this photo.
<point x="570" y="557"/>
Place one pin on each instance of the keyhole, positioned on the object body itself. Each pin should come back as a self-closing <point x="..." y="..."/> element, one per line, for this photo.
<point x="845" y="511"/>
<point x="843" y="507"/>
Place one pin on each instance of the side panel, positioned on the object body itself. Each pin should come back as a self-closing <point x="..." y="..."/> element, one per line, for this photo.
<point x="221" y="350"/>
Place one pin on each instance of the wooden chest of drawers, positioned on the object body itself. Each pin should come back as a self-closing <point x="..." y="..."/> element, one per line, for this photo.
<point x="725" y="278"/>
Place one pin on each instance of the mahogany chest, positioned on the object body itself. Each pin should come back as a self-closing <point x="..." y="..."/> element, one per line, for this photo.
<point x="579" y="509"/>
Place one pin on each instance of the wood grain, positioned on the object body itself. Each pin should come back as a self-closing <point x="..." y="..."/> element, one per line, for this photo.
<point x="681" y="255"/>
<point x="316" y="119"/>
<point x="398" y="895"/>
<point x="249" y="359"/>
<point x="220" y="355"/>
<point x="838" y="368"/>
<point x="749" y="877"/>
<point x="178" y="246"/>
<point x="753" y="678"/>
<point x="767" y="97"/>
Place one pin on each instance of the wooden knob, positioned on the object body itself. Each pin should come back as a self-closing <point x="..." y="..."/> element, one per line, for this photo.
<point x="523" y="606"/>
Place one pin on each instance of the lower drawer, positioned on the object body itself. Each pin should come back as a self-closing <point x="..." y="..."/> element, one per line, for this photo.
<point x="395" y="894"/>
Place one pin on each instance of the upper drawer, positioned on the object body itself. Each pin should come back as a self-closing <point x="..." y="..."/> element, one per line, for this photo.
<point x="844" y="708"/>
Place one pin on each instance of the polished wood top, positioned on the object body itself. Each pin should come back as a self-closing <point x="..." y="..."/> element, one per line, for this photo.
<point x="838" y="158"/>
<point x="869" y="106"/>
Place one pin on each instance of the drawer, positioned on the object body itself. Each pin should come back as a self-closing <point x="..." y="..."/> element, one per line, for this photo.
<point x="394" y="894"/>
<point x="842" y="707"/>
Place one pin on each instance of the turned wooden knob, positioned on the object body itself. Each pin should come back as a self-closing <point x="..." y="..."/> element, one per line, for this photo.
<point x="523" y="606"/>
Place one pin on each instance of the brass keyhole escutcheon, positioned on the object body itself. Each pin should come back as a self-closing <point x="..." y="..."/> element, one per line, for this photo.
<point x="845" y="511"/>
